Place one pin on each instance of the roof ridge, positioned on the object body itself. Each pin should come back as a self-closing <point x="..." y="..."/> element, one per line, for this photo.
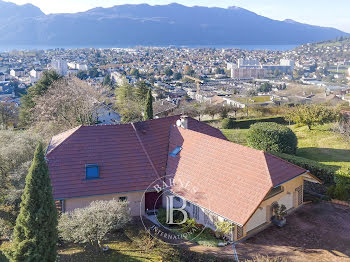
<point x="145" y="151"/>
<point x="267" y="167"/>
<point x="156" y="119"/>
<point x="217" y="138"/>
<point x="290" y="163"/>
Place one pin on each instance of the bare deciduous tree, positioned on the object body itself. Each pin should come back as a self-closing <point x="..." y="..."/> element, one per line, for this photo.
<point x="8" y="114"/>
<point x="68" y="103"/>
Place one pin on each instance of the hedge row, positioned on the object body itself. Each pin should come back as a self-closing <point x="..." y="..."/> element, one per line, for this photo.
<point x="246" y="123"/>
<point x="323" y="172"/>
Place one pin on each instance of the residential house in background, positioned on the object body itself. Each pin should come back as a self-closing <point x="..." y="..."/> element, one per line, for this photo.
<point x="163" y="108"/>
<point x="105" y="115"/>
<point x="36" y="74"/>
<point x="17" y="72"/>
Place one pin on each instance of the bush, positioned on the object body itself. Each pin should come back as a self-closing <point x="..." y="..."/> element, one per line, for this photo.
<point x="246" y="123"/>
<point x="161" y="216"/>
<point x="227" y="123"/>
<point x="330" y="191"/>
<point x="145" y="241"/>
<point x="342" y="180"/>
<point x="280" y="211"/>
<point x="223" y="228"/>
<point x="272" y="137"/>
<point x="339" y="192"/>
<point x="323" y="172"/>
<point x="90" y="225"/>
<point x="342" y="177"/>
<point x="190" y="226"/>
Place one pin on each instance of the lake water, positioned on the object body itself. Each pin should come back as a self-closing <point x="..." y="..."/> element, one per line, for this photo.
<point x="246" y="47"/>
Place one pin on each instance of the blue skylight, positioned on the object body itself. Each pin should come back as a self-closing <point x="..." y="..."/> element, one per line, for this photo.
<point x="92" y="172"/>
<point x="176" y="151"/>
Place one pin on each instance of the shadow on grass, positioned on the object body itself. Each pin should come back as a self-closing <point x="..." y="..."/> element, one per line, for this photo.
<point x="110" y="256"/>
<point x="325" y="154"/>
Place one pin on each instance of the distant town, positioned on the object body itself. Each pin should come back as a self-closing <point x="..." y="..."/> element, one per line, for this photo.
<point x="214" y="76"/>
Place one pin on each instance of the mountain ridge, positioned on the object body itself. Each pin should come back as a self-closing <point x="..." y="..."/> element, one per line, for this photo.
<point x="145" y="24"/>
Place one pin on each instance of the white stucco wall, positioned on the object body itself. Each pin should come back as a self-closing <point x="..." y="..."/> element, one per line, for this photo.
<point x="257" y="219"/>
<point x="133" y="198"/>
<point x="287" y="200"/>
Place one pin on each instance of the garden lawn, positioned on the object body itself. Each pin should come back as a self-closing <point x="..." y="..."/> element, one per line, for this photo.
<point x="253" y="100"/>
<point x="206" y="238"/>
<point x="238" y="136"/>
<point x="323" y="145"/>
<point x="131" y="245"/>
<point x="320" y="144"/>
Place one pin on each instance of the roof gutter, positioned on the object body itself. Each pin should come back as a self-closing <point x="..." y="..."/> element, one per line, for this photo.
<point x="107" y="194"/>
<point x="292" y="178"/>
<point x="307" y="172"/>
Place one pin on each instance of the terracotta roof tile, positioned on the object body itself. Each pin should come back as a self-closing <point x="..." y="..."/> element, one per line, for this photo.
<point x="125" y="162"/>
<point x="233" y="178"/>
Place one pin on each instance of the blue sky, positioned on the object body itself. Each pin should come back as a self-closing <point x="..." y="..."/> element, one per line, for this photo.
<point x="334" y="13"/>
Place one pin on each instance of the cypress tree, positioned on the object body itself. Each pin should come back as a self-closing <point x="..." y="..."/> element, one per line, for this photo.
<point x="149" y="106"/>
<point x="35" y="233"/>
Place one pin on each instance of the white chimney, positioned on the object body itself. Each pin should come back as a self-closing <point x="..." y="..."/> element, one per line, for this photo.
<point x="182" y="122"/>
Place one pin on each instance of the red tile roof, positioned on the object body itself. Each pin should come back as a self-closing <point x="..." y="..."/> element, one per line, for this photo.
<point x="129" y="156"/>
<point x="230" y="179"/>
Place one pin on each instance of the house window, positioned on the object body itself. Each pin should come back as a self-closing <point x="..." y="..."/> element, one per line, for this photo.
<point x="240" y="232"/>
<point x="210" y="218"/>
<point x="178" y="199"/>
<point x="92" y="171"/>
<point x="124" y="198"/>
<point x="274" y="191"/>
<point x="299" y="191"/>
<point x="213" y="218"/>
<point x="195" y="212"/>
<point x="176" y="151"/>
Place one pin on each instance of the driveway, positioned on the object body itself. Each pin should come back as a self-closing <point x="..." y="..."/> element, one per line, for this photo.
<point x="315" y="232"/>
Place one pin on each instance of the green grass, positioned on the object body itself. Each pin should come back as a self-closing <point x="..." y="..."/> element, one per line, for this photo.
<point x="320" y="144"/>
<point x="238" y="136"/>
<point x="261" y="99"/>
<point x="340" y="71"/>
<point x="206" y="238"/>
<point x="253" y="100"/>
<point x="323" y="145"/>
